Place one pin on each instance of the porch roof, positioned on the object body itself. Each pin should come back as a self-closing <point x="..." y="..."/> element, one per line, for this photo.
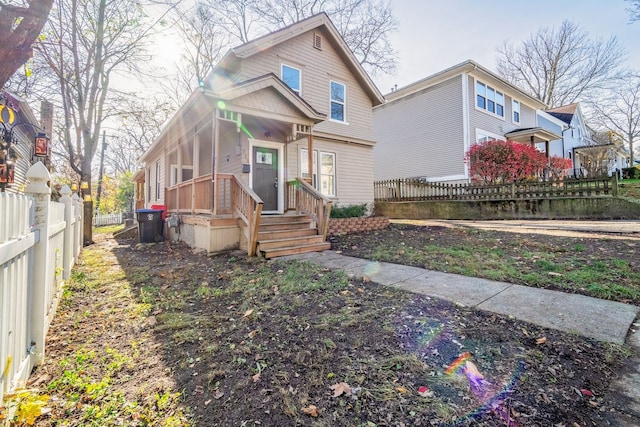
<point x="531" y="135"/>
<point x="269" y="80"/>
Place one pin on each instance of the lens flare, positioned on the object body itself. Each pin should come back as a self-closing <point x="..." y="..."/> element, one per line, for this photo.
<point x="437" y="344"/>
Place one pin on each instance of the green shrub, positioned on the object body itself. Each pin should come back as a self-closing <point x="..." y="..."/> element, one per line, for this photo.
<point x="631" y="173"/>
<point x="352" y="211"/>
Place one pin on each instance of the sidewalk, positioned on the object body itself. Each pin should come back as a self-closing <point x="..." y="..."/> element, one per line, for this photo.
<point x="590" y="317"/>
<point x="627" y="229"/>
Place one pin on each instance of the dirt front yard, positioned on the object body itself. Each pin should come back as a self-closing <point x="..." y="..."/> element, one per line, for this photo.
<point x="159" y="335"/>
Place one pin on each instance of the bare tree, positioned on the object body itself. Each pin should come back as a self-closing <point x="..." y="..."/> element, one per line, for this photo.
<point x="634" y="10"/>
<point x="620" y="110"/>
<point x="206" y="40"/>
<point x="87" y="43"/>
<point x="213" y="26"/>
<point x="140" y="122"/>
<point x="365" y="25"/>
<point x="561" y="65"/>
<point x="20" y="25"/>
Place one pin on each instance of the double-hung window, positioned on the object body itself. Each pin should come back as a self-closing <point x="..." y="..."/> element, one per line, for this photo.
<point x="324" y="171"/>
<point x="515" y="106"/>
<point x="291" y="76"/>
<point x="489" y="99"/>
<point x="157" y="179"/>
<point x="338" y="101"/>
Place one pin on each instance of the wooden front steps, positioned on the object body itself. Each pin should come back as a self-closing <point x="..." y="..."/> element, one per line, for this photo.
<point x="281" y="235"/>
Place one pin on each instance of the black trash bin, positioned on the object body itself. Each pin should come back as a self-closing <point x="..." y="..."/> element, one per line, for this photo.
<point x="150" y="225"/>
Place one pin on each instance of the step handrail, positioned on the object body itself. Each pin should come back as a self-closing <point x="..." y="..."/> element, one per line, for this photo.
<point x="307" y="200"/>
<point x="248" y="206"/>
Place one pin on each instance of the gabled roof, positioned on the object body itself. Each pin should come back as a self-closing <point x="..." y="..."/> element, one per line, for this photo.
<point x="463" y="67"/>
<point x="565" y="112"/>
<point x="261" y="82"/>
<point x="319" y="20"/>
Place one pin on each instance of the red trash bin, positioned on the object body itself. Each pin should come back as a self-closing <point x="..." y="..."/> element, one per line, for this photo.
<point x="162" y="208"/>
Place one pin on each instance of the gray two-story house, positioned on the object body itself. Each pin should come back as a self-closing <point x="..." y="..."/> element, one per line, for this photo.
<point x="424" y="129"/>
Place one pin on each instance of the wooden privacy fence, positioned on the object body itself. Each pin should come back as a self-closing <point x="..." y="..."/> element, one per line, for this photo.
<point x="39" y="243"/>
<point x="396" y="190"/>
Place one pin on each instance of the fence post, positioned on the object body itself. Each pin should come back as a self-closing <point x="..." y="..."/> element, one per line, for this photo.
<point x="77" y="229"/>
<point x="614" y="184"/>
<point x="69" y="212"/>
<point x="38" y="176"/>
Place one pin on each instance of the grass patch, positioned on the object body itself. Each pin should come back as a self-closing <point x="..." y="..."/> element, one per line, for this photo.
<point x="599" y="267"/>
<point x="108" y="229"/>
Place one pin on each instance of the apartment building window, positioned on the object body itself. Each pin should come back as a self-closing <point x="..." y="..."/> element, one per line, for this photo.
<point x="489" y="99"/>
<point x="291" y="76"/>
<point x="338" y="101"/>
<point x="324" y="167"/>
<point x="515" y="105"/>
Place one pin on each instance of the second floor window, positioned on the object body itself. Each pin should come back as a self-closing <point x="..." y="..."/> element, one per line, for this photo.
<point x="489" y="99"/>
<point x="338" y="101"/>
<point x="516" y="111"/>
<point x="291" y="76"/>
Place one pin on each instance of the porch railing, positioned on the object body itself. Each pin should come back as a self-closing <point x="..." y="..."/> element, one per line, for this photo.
<point x="193" y="196"/>
<point x="235" y="197"/>
<point x="305" y="199"/>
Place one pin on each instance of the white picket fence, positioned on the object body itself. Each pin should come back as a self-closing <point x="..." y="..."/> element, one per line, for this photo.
<point x="107" y="219"/>
<point x="39" y="243"/>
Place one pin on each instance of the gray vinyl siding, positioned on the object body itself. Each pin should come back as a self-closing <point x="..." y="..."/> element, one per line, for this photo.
<point x="354" y="176"/>
<point x="421" y="135"/>
<point x="555" y="147"/>
<point x="318" y="68"/>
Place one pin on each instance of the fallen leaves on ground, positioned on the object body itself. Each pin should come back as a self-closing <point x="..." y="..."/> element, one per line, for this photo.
<point x="341" y="388"/>
<point x="311" y="410"/>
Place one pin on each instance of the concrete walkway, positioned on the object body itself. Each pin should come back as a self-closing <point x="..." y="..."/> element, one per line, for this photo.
<point x="590" y="317"/>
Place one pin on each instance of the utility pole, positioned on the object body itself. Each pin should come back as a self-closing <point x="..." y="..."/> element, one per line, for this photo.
<point x="104" y="147"/>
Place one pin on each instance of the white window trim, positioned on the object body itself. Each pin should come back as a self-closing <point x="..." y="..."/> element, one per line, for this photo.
<point x="488" y="135"/>
<point x="157" y="179"/>
<point x="513" y="120"/>
<point x="173" y="177"/>
<point x="334" y="189"/>
<point x="299" y="70"/>
<point x="484" y="110"/>
<point x="344" y="104"/>
<point x="317" y="171"/>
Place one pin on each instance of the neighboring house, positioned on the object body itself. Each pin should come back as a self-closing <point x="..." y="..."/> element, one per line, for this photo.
<point x="425" y="129"/>
<point x="18" y="131"/>
<point x="577" y="143"/>
<point x="292" y="104"/>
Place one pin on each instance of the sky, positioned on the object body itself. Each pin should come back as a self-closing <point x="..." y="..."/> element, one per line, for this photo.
<point x="434" y="35"/>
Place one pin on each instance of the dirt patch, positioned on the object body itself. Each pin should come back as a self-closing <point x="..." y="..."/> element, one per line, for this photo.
<point x="250" y="342"/>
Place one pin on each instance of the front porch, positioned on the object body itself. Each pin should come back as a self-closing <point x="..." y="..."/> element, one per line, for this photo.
<point x="224" y="213"/>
